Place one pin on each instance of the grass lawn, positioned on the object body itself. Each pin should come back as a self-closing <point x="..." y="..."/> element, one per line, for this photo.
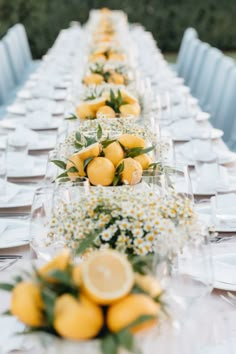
<point x="171" y="57"/>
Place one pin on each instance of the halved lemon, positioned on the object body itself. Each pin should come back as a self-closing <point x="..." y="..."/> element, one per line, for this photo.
<point x="107" y="276"/>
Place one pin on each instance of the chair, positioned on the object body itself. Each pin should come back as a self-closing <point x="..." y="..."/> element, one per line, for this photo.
<point x="225" y="114"/>
<point x="207" y="74"/>
<point x="193" y="46"/>
<point x="198" y="62"/>
<point x="7" y="83"/>
<point x="189" y="34"/>
<point x="214" y="94"/>
<point x="12" y="47"/>
<point x="20" y="33"/>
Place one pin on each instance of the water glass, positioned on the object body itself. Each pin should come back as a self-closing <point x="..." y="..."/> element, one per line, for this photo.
<point x="41" y="212"/>
<point x="67" y="191"/>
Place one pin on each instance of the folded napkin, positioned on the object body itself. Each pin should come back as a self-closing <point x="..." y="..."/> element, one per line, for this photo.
<point x="39" y="119"/>
<point x="11" y="190"/>
<point x="26" y="134"/>
<point x="41" y="104"/>
<point x="19" y="163"/>
<point x="224" y="209"/>
<point x="183" y="129"/>
<point x="211" y="177"/>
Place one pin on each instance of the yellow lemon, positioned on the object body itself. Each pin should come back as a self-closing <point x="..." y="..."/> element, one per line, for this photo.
<point x="116" y="79"/>
<point x="93" y="79"/>
<point x="27" y="304"/>
<point x="116" y="56"/>
<point x="90" y="151"/>
<point x="131" y="141"/>
<point x="77" y="319"/>
<point x="101" y="171"/>
<point x="149" y="284"/>
<point x="130" y="109"/>
<point x="105" y="112"/>
<point x="75" y="161"/>
<point x="107" y="276"/>
<point x="60" y="262"/>
<point x="84" y="111"/>
<point x="97" y="102"/>
<point x="97" y="57"/>
<point x="144" y="160"/>
<point x="129" y="309"/>
<point x="77" y="275"/>
<point x="114" y="153"/>
<point x="128" y="97"/>
<point x="132" y="172"/>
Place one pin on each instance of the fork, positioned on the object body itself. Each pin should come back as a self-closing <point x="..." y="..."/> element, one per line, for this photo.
<point x="12" y="260"/>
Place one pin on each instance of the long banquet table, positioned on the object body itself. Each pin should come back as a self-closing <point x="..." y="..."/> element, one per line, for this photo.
<point x="212" y="307"/>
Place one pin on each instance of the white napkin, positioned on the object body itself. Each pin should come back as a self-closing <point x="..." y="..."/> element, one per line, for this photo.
<point x="224" y="209"/>
<point x="39" y="119"/>
<point x="11" y="190"/>
<point x="26" y="134"/>
<point x="212" y="177"/>
<point x="18" y="163"/>
<point x="41" y="104"/>
<point x="183" y="129"/>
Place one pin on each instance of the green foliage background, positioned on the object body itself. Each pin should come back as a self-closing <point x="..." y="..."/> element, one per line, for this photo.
<point x="167" y="19"/>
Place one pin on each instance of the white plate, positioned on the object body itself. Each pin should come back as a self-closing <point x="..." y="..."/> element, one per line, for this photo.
<point x="34" y="166"/>
<point x="215" y="134"/>
<point x="205" y="215"/>
<point x="22" y="197"/>
<point x="224" y="266"/>
<point x="11" y="123"/>
<point x="43" y="142"/>
<point x="16" y="234"/>
<point x="20" y="109"/>
<point x="58" y="95"/>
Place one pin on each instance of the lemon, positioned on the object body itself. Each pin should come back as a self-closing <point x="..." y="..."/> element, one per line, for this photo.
<point x="60" y="262"/>
<point x="144" y="160"/>
<point x="116" y="79"/>
<point x="97" y="102"/>
<point x="114" y="153"/>
<point x="116" y="56"/>
<point x="77" y="319"/>
<point x="27" y="304"/>
<point x="131" y="141"/>
<point x="130" y="109"/>
<point x="128" y="97"/>
<point x="149" y="284"/>
<point x="75" y="161"/>
<point x="84" y="111"/>
<point x="129" y="309"/>
<point x="132" y="172"/>
<point x="105" y="112"/>
<point x="92" y="150"/>
<point x="101" y="171"/>
<point x="107" y="276"/>
<point x="93" y="79"/>
<point x="77" y="275"/>
<point x="97" y="57"/>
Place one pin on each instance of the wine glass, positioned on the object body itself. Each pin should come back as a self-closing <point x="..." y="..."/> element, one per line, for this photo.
<point x="67" y="190"/>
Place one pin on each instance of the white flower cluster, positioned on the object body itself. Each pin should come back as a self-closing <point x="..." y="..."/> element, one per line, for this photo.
<point x="133" y="222"/>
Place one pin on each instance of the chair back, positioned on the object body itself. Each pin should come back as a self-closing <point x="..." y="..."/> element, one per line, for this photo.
<point x="21" y="35"/>
<point x="193" y="46"/>
<point x="199" y="60"/>
<point x="189" y="34"/>
<point x="7" y="83"/>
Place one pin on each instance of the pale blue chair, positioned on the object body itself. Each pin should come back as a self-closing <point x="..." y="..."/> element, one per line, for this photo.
<point x="215" y="91"/>
<point x="225" y="114"/>
<point x="189" y="34"/>
<point x="8" y="87"/>
<point x="193" y="46"/>
<point x="206" y="75"/>
<point x="198" y="62"/>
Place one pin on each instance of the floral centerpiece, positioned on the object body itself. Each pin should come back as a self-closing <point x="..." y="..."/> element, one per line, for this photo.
<point x="135" y="222"/>
<point x="101" y="302"/>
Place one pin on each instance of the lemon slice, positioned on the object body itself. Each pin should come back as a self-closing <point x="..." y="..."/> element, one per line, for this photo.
<point x="107" y="276"/>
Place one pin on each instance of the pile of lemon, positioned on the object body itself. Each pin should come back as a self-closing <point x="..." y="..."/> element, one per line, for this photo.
<point x="105" y="161"/>
<point x="102" y="297"/>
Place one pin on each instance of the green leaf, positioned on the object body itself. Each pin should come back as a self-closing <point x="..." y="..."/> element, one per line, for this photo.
<point x="140" y="320"/>
<point x="106" y="76"/>
<point x="78" y="145"/>
<point x="64" y="174"/>
<point x="109" y="345"/>
<point x="71" y="117"/>
<point x="89" y="141"/>
<point x="99" y="132"/>
<point x="125" y="339"/>
<point x="139" y="151"/>
<point x="72" y="169"/>
<point x="59" y="163"/>
<point x="61" y="276"/>
<point x="6" y="313"/>
<point x="120" y="168"/>
<point x="78" y="136"/>
<point x="49" y="299"/>
<point x="117" y="180"/>
<point x="106" y="143"/>
<point x="7" y="286"/>
<point x="87" y="161"/>
<point x="18" y="279"/>
<point x="87" y="242"/>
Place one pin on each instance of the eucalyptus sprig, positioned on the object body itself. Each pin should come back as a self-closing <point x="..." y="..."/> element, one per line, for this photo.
<point x="118" y="174"/>
<point x="115" y="101"/>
